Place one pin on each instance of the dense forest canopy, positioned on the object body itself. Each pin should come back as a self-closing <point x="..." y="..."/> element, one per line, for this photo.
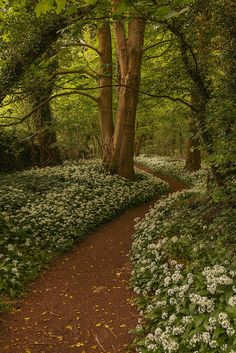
<point x="87" y="78"/>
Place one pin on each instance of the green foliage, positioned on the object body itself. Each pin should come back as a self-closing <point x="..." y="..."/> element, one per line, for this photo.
<point x="60" y="5"/>
<point x="159" y="10"/>
<point x="90" y="2"/>
<point x="15" y="151"/>
<point x="44" y="6"/>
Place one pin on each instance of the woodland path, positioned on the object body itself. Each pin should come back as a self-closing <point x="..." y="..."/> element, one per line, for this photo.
<point x="83" y="303"/>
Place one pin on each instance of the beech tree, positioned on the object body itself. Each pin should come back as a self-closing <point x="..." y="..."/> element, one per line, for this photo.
<point x="118" y="137"/>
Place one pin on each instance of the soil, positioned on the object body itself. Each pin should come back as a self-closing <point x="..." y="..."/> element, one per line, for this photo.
<point x="83" y="303"/>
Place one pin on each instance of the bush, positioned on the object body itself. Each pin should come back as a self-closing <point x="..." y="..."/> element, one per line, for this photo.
<point x="185" y="276"/>
<point x="16" y="154"/>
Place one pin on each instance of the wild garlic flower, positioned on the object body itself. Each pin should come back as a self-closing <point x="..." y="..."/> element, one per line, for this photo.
<point x="205" y="304"/>
<point x="232" y="301"/>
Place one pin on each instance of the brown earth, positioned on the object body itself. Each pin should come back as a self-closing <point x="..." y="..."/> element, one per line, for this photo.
<point x="83" y="302"/>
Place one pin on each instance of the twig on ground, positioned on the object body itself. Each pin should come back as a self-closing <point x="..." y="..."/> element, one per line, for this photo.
<point x="50" y="312"/>
<point x="111" y="331"/>
<point x="99" y="343"/>
<point x="40" y="343"/>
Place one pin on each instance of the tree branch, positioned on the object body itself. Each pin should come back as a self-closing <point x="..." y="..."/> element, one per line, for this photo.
<point x="81" y="44"/>
<point x="193" y="73"/>
<point x="21" y="120"/>
<point x="156" y="44"/>
<point x="71" y="72"/>
<point x="162" y="96"/>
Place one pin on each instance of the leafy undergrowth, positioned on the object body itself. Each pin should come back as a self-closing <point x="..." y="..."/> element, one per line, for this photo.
<point x="174" y="168"/>
<point x="184" y="257"/>
<point x="44" y="211"/>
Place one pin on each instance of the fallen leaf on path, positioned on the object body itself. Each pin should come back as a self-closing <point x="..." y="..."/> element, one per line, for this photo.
<point x="60" y="338"/>
<point x="69" y="327"/>
<point x="79" y="344"/>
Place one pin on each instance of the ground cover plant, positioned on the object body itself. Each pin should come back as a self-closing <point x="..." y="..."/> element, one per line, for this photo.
<point x="44" y="211"/>
<point x="175" y="168"/>
<point x="185" y="275"/>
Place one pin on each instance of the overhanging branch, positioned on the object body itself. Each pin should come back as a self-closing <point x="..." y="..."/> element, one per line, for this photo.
<point x="156" y="44"/>
<point x="46" y="101"/>
<point x="81" y="44"/>
<point x="161" y="96"/>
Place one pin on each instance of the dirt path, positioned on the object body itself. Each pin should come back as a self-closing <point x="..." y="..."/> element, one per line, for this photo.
<point x="83" y="303"/>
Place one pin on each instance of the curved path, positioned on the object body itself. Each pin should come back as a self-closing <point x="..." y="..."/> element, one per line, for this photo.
<point x="82" y="303"/>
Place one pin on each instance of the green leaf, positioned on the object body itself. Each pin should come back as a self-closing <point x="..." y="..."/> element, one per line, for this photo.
<point x="71" y="10"/>
<point x="217" y="332"/>
<point x="199" y="320"/>
<point x="231" y="311"/>
<point x="90" y="2"/>
<point x="192" y="307"/>
<point x="43" y="6"/>
<point x="61" y="4"/>
<point x="181" y="2"/>
<point x="162" y="11"/>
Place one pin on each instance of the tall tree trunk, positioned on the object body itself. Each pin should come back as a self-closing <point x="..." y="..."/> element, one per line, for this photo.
<point x="49" y="153"/>
<point x="105" y="97"/>
<point x="118" y="140"/>
<point x="226" y="25"/>
<point x="138" y="145"/>
<point x="193" y="154"/>
<point x="129" y="54"/>
<point x="181" y="142"/>
<point x="200" y="78"/>
<point x="43" y="119"/>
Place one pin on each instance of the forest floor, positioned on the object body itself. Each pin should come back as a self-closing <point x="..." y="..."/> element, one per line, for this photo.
<point x="83" y="303"/>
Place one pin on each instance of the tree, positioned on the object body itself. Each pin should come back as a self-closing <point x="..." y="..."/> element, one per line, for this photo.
<point x="196" y="67"/>
<point x="118" y="139"/>
<point x="43" y="119"/>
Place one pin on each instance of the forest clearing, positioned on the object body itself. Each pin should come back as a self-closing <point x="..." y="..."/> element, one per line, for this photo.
<point x="118" y="176"/>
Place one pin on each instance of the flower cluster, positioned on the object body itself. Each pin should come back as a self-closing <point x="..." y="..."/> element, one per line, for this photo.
<point x="47" y="210"/>
<point x="215" y="276"/>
